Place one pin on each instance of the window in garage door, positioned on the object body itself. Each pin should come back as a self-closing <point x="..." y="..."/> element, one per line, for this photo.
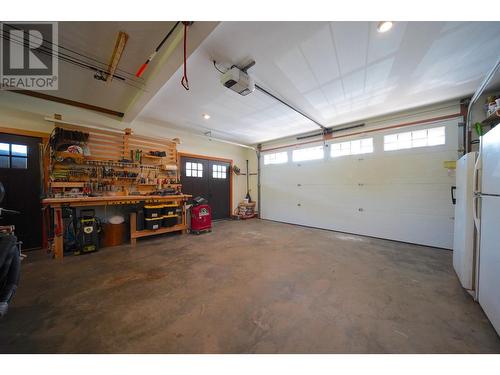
<point x="276" y="158"/>
<point x="355" y="147"/>
<point x="416" y="138"/>
<point x="309" y="153"/>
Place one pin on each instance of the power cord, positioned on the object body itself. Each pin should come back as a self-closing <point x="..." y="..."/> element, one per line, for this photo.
<point x="184" y="80"/>
<point x="215" y="66"/>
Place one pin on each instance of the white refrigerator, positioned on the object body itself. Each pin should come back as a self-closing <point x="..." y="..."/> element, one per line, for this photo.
<point x="486" y="208"/>
<point x="464" y="235"/>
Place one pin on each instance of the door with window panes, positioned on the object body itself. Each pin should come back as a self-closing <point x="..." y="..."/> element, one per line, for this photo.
<point x="21" y="177"/>
<point x="209" y="179"/>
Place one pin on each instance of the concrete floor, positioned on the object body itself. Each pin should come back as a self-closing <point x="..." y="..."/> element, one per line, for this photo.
<point x="249" y="287"/>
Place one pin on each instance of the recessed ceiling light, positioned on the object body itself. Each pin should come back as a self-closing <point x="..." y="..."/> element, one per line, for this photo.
<point x="384" y="26"/>
<point x="206" y="116"/>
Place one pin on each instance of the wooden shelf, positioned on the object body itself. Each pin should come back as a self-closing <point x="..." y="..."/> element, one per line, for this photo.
<point x="62" y="184"/>
<point x="70" y="154"/>
<point x="492" y="119"/>
<point x="110" y="163"/>
<point x="152" y="156"/>
<point x="149" y="232"/>
<point x="134" y="233"/>
<point x="169" y="167"/>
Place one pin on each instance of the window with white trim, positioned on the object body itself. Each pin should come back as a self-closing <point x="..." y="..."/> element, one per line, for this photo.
<point x="310" y="153"/>
<point x="355" y="147"/>
<point x="416" y="138"/>
<point x="276" y="158"/>
<point x="219" y="171"/>
<point x="194" y="169"/>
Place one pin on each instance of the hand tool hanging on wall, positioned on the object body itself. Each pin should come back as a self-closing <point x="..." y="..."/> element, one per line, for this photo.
<point x="152" y="56"/>
<point x="248" y="185"/>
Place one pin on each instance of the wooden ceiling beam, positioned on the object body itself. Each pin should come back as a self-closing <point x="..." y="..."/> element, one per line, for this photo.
<point x="40" y="95"/>
<point x="121" y="41"/>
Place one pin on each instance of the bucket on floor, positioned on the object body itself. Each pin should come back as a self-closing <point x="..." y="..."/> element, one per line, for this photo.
<point x="113" y="234"/>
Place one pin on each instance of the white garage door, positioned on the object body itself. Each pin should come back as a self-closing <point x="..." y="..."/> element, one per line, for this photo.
<point x="400" y="190"/>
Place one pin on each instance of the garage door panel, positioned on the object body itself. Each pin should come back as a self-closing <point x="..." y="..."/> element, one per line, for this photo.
<point x="336" y="215"/>
<point x="405" y="168"/>
<point x="407" y="227"/>
<point x="279" y="174"/>
<point x="325" y="173"/>
<point x="398" y="227"/>
<point x="277" y="201"/>
<point x="401" y="195"/>
<point x="425" y="199"/>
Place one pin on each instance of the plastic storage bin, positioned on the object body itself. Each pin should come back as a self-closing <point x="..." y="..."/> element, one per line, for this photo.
<point x="153" y="223"/>
<point x="169" y="221"/>
<point x="153" y="211"/>
<point x="169" y="209"/>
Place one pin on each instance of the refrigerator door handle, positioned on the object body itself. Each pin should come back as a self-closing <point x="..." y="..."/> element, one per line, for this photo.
<point x="453" y="196"/>
<point x="474" y="211"/>
<point x="477" y="166"/>
<point x="476" y="189"/>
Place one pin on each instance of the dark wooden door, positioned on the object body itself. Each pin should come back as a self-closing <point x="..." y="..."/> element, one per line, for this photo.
<point x="21" y="177"/>
<point x="210" y="180"/>
<point x="194" y="177"/>
<point x="219" y="188"/>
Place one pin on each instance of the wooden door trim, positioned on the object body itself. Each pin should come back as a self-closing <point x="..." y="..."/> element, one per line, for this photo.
<point x="197" y="156"/>
<point x="213" y="158"/>
<point x="26" y="133"/>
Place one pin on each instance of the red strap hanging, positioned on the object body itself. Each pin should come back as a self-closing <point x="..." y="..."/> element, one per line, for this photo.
<point x="184" y="80"/>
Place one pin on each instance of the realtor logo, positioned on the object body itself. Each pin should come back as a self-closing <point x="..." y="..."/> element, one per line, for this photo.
<point x="28" y="56"/>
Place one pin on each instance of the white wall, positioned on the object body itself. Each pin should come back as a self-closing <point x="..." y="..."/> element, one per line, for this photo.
<point x="24" y="112"/>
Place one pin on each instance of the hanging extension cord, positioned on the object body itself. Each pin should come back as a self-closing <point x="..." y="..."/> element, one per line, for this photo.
<point x="184" y="80"/>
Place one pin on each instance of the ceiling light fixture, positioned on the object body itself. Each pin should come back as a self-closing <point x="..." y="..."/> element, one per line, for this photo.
<point x="206" y="116"/>
<point x="384" y="26"/>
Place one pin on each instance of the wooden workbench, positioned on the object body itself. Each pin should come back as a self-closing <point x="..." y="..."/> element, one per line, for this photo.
<point x="58" y="203"/>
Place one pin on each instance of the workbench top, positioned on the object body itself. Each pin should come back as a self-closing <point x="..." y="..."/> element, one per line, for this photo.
<point x="104" y="199"/>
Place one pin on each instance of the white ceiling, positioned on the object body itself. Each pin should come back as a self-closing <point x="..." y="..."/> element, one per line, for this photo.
<point x="97" y="41"/>
<point x="337" y="72"/>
